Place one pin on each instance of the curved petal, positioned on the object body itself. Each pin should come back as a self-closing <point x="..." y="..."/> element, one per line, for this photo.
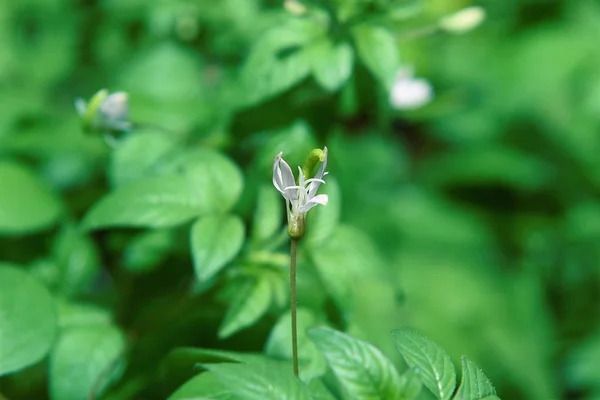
<point x="80" y="106"/>
<point x="283" y="178"/>
<point x="320" y="199"/>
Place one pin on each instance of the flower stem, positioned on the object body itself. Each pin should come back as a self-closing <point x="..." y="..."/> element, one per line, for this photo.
<point x="293" y="251"/>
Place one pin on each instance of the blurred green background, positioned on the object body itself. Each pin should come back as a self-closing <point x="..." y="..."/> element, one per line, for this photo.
<point x="474" y="219"/>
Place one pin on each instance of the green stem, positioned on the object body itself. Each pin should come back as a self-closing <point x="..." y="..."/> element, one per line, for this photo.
<point x="293" y="251"/>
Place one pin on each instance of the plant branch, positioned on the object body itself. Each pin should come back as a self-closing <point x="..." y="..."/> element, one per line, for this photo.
<point x="293" y="252"/>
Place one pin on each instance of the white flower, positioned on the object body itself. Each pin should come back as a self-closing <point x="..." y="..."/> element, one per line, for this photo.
<point x="463" y="21"/>
<point x="105" y="111"/>
<point x="300" y="197"/>
<point x="409" y="93"/>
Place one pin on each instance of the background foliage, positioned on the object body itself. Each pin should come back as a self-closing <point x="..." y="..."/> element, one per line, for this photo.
<point x="474" y="220"/>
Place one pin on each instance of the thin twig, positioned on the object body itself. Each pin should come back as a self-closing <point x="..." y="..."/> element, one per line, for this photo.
<point x="294" y="248"/>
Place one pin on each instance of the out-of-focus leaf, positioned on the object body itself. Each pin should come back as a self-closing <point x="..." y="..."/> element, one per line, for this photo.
<point x="410" y="385"/>
<point x="378" y="50"/>
<point x="194" y="183"/>
<point x="77" y="260"/>
<point x="278" y="60"/>
<point x="148" y="250"/>
<point x="261" y="380"/>
<point x="429" y="361"/>
<point x="343" y="261"/>
<point x="268" y="214"/>
<point x="81" y="356"/>
<point x="323" y="220"/>
<point x="249" y="304"/>
<point x="138" y="155"/>
<point x="159" y="202"/>
<point x="27" y="319"/>
<point x="475" y="385"/>
<point x="26" y="205"/>
<point x="312" y="363"/>
<point x="331" y="63"/>
<point x="203" y="386"/>
<point x="215" y="240"/>
<point x="487" y="165"/>
<point x="77" y="314"/>
<point x="215" y="176"/>
<point x="362" y="370"/>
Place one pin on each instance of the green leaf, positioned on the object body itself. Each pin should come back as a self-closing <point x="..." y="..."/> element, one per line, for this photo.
<point x="331" y="64"/>
<point x="362" y="370"/>
<point x="267" y="216"/>
<point x="475" y="385"/>
<point x="146" y="251"/>
<point x="202" y="387"/>
<point x="138" y="155"/>
<point x="27" y="319"/>
<point x="77" y="260"/>
<point x="218" y="179"/>
<point x="249" y="304"/>
<point x="261" y="380"/>
<point x="26" y="205"/>
<point x="278" y="60"/>
<point x="191" y="184"/>
<point x="378" y="50"/>
<point x="155" y="202"/>
<point x="215" y="240"/>
<point x="322" y="221"/>
<point x="428" y="360"/>
<point x="410" y="385"/>
<point x="82" y="355"/>
<point x="312" y="362"/>
<point x="353" y="250"/>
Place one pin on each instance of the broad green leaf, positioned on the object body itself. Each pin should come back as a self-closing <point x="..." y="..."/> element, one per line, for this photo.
<point x="410" y="385"/>
<point x="362" y="370"/>
<point x="428" y="360"/>
<point x="27" y="319"/>
<point x="202" y="387"/>
<point x="145" y="252"/>
<point x="261" y="380"/>
<point x="318" y="390"/>
<point x="378" y="50"/>
<point x="138" y="155"/>
<point x="77" y="260"/>
<point x="26" y="205"/>
<point x="218" y="179"/>
<point x="155" y="203"/>
<point x="312" y="363"/>
<point x="331" y="63"/>
<point x="475" y="385"/>
<point x="278" y="60"/>
<point x="323" y="220"/>
<point x="81" y="356"/>
<point x="250" y="303"/>
<point x="79" y="314"/>
<point x="215" y="240"/>
<point x="194" y="183"/>
<point x="344" y="260"/>
<point x="268" y="213"/>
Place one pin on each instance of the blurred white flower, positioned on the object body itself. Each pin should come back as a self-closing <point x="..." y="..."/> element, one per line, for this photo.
<point x="463" y="20"/>
<point x="300" y="197"/>
<point x="408" y="92"/>
<point x="294" y="7"/>
<point x="105" y="111"/>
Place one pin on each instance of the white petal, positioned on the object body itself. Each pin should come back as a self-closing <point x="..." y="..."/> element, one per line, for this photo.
<point x="410" y="93"/>
<point x="320" y="199"/>
<point x="116" y="106"/>
<point x="283" y="178"/>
